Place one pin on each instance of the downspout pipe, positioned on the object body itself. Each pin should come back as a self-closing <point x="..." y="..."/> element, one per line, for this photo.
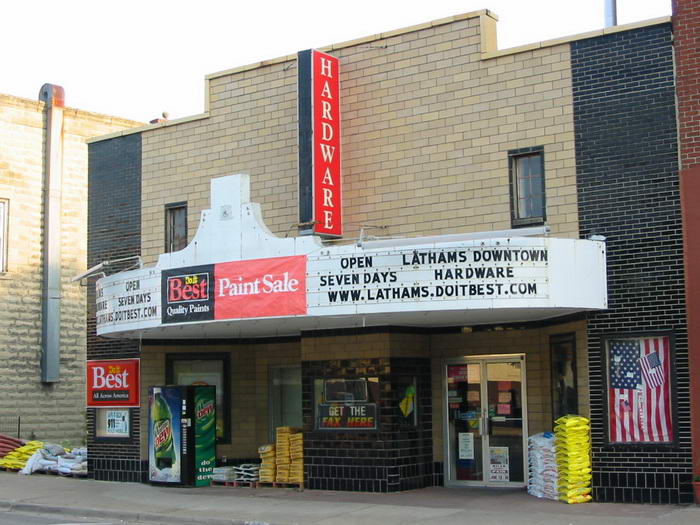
<point x="610" y="13"/>
<point x="54" y="102"/>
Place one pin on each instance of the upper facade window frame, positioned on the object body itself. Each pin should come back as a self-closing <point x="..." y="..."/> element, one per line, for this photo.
<point x="169" y="237"/>
<point x="519" y="217"/>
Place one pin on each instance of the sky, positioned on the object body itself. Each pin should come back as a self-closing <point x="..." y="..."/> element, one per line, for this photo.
<point x="138" y="59"/>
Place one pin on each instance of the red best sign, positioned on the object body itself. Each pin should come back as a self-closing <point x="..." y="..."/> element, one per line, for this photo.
<point x="113" y="383"/>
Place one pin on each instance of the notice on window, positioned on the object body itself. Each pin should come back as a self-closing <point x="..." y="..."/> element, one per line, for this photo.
<point x="117" y="422"/>
<point x="499" y="468"/>
<point x="466" y="445"/>
<point x="503" y="409"/>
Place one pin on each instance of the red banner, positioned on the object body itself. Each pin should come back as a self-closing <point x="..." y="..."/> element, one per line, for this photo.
<point x="260" y="288"/>
<point x="326" y="145"/>
<point x="113" y="383"/>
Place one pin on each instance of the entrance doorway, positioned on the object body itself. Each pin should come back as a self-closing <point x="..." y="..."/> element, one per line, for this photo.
<point x="485" y="421"/>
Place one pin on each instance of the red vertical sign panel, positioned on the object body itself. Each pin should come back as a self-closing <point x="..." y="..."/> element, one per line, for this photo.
<point x="326" y="145"/>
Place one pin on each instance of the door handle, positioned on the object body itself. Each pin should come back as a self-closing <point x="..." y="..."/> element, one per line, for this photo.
<point x="485" y="425"/>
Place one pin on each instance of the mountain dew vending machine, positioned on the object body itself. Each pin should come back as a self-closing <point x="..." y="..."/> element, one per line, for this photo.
<point x="182" y="434"/>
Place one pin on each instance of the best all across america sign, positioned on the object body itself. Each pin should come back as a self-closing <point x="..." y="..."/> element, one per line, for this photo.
<point x="320" y="200"/>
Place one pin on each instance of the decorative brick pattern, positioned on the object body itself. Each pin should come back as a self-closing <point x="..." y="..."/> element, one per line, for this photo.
<point x="114" y="232"/>
<point x="627" y="173"/>
<point x="390" y="459"/>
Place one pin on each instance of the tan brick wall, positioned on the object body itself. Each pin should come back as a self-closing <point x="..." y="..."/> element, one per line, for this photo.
<point x="53" y="412"/>
<point x="426" y="127"/>
<point x="250" y="365"/>
<point x="249" y="403"/>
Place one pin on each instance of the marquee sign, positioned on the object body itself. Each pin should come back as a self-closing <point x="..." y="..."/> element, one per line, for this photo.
<point x="113" y="383"/>
<point x="235" y="279"/>
<point x="319" y="143"/>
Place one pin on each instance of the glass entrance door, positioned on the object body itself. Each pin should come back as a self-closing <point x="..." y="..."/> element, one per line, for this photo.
<point x="486" y="421"/>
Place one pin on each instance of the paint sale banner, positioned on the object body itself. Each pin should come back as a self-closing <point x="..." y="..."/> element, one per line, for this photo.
<point x="260" y="288"/>
<point x="269" y="287"/>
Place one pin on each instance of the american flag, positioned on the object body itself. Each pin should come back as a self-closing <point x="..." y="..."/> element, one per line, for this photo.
<point x="640" y="410"/>
<point x="652" y="370"/>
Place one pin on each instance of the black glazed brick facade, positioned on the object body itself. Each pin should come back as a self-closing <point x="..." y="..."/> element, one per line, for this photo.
<point x="628" y="191"/>
<point x="393" y="458"/>
<point x="114" y="231"/>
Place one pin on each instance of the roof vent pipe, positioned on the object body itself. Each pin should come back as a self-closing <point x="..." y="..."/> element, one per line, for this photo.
<point x="610" y="13"/>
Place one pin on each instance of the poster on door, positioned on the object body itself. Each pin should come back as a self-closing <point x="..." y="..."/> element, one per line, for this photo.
<point x="466" y="445"/>
<point x="499" y="468"/>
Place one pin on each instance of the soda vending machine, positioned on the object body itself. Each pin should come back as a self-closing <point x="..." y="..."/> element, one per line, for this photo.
<point x="182" y="434"/>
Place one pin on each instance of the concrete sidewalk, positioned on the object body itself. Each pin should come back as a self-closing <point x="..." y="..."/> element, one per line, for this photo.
<point x="275" y="506"/>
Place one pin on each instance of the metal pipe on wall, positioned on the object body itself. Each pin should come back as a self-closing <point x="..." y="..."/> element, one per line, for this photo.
<point x="54" y="100"/>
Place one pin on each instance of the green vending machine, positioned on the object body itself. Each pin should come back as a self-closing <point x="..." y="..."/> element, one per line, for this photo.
<point x="182" y="434"/>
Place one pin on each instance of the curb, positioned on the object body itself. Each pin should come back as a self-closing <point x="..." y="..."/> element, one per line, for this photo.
<point x="148" y="517"/>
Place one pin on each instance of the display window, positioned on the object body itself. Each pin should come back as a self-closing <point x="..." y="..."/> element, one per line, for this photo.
<point x="640" y="400"/>
<point x="285" y="398"/>
<point x="205" y="369"/>
<point x="346" y="404"/>
<point x="564" y="380"/>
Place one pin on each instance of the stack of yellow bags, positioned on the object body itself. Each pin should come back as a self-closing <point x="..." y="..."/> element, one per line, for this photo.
<point x="296" y="453"/>
<point x="17" y="459"/>
<point x="283" y="458"/>
<point x="268" y="469"/>
<point x="573" y="448"/>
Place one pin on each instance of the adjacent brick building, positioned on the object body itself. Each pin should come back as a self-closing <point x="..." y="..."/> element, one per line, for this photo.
<point x="51" y="408"/>
<point x="437" y="129"/>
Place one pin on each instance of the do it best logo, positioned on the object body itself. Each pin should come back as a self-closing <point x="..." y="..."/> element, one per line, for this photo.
<point x="185" y="288"/>
<point x="113" y="383"/>
<point x="186" y="294"/>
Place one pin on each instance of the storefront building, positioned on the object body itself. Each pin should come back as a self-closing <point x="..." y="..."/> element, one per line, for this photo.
<point x="420" y="265"/>
<point x="43" y="186"/>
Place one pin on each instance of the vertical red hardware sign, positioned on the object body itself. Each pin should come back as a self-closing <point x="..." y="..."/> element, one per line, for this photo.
<point x="326" y="137"/>
<point x="320" y="187"/>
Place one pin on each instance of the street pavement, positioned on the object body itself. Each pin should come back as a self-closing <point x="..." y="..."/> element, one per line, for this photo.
<point x="135" y="502"/>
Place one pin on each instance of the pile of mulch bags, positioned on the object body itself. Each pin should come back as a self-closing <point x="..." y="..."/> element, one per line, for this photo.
<point x="8" y="444"/>
<point x="28" y="457"/>
<point x="573" y="446"/>
<point x="56" y="460"/>
<point x="16" y="458"/>
<point x="543" y="476"/>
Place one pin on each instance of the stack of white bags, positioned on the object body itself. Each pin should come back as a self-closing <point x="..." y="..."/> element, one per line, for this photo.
<point x="56" y="459"/>
<point x="224" y="474"/>
<point x="544" y="474"/>
<point x="247" y="472"/>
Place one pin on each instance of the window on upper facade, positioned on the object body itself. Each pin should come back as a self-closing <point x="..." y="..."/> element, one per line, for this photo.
<point x="4" y="219"/>
<point x="526" y="168"/>
<point x="175" y="226"/>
